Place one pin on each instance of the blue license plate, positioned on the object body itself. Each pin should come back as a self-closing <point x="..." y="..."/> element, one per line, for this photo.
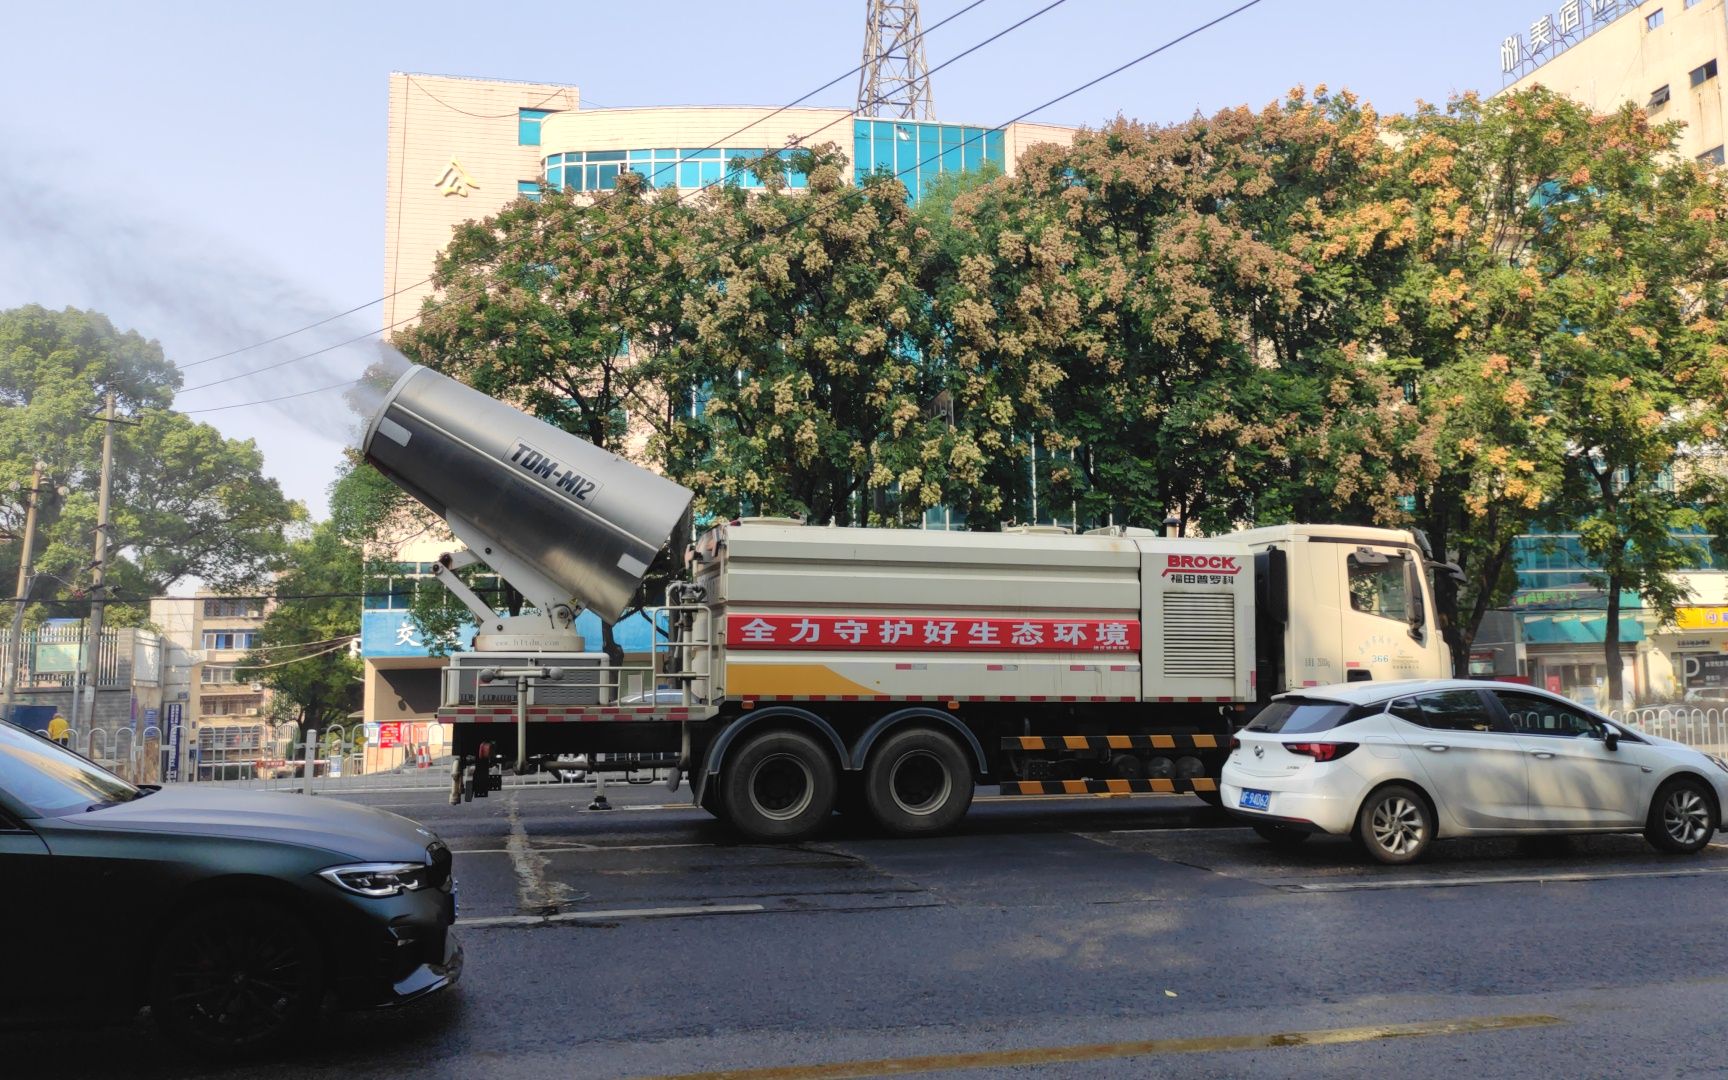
<point x="1255" y="800"/>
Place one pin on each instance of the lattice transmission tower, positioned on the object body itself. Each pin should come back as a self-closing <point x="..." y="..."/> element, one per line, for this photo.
<point x="895" y="81"/>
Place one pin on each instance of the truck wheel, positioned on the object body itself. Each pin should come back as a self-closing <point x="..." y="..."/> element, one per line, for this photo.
<point x="918" y="782"/>
<point x="778" y="786"/>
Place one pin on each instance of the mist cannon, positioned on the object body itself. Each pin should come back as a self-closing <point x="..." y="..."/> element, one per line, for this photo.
<point x="568" y="524"/>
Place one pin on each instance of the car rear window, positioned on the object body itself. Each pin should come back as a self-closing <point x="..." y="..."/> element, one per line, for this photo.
<point x="1296" y="715"/>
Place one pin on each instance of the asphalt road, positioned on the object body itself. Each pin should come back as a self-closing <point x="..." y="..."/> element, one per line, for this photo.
<point x="1058" y="938"/>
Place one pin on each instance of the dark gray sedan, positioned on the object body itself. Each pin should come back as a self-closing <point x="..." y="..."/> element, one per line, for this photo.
<point x="235" y="915"/>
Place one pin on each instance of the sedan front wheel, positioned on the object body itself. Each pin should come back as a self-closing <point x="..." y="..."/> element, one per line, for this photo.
<point x="237" y="976"/>
<point x="1683" y="817"/>
<point x="1395" y="825"/>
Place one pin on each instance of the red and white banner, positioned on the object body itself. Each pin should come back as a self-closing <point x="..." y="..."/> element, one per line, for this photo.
<point x="872" y="633"/>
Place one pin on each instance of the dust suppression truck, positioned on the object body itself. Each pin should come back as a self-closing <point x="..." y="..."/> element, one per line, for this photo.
<point x="800" y="669"/>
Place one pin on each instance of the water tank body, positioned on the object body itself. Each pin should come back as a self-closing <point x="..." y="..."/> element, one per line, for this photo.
<point x="582" y="517"/>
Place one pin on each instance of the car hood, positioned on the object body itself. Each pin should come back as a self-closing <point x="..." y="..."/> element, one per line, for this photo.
<point x="359" y="832"/>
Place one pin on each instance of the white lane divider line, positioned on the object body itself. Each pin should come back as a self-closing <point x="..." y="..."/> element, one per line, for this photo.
<point x="533" y="891"/>
<point x="608" y="916"/>
<point x="1503" y="879"/>
<point x="560" y="849"/>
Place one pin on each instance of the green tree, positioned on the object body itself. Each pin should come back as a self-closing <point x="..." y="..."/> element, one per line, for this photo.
<point x="303" y="653"/>
<point x="186" y="501"/>
<point x="808" y="339"/>
<point x="558" y="306"/>
<point x="1163" y="313"/>
<point x="1561" y="294"/>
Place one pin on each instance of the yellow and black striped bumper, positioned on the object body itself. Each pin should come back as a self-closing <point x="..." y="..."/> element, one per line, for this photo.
<point x="1109" y="787"/>
<point x="1176" y="741"/>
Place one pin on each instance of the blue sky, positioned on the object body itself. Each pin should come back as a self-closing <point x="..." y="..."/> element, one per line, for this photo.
<point x="213" y="174"/>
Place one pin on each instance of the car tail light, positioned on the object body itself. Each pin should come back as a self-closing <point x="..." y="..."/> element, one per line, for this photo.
<point x="1235" y="743"/>
<point x="1321" y="751"/>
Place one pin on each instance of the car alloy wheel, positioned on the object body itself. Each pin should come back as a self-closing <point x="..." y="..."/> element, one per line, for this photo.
<point x="237" y="975"/>
<point x="1395" y="824"/>
<point x="1686" y="817"/>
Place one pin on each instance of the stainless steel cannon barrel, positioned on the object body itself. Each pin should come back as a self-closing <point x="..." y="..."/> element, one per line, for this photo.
<point x="581" y="516"/>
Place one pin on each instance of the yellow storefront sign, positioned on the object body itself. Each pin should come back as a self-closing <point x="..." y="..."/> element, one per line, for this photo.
<point x="1701" y="618"/>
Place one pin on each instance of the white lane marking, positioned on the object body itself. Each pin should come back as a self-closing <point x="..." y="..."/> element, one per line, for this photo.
<point x="532" y="889"/>
<point x="556" y="849"/>
<point x="1504" y="879"/>
<point x="608" y="916"/>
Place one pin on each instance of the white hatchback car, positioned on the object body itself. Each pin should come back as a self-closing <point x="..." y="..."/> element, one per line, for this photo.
<point x="1399" y="764"/>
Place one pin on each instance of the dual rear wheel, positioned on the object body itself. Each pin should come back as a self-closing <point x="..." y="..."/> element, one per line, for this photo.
<point x="783" y="785"/>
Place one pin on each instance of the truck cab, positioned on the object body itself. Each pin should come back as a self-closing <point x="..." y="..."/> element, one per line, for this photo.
<point x="1342" y="603"/>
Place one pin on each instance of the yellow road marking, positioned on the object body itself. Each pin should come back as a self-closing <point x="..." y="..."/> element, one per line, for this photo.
<point x="1059" y="1055"/>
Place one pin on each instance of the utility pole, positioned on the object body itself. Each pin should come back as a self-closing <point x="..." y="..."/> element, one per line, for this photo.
<point x="21" y="597"/>
<point x="91" y="654"/>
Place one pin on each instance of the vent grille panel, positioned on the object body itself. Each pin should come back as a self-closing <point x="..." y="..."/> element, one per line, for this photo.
<point x="1199" y="635"/>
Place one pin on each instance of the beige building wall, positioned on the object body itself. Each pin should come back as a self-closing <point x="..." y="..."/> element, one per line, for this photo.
<point x="1625" y="60"/>
<point x="454" y="156"/>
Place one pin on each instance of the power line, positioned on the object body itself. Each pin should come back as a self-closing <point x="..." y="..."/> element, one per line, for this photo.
<point x="487" y="116"/>
<point x="856" y="191"/>
<point x="416" y="284"/>
<point x="268" y="401"/>
<point x="291" y="333"/>
<point x="295" y="660"/>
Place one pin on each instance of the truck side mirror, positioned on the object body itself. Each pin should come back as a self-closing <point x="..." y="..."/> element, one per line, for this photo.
<point x="1418" y="607"/>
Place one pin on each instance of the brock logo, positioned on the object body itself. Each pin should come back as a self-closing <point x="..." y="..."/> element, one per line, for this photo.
<point x="1201" y="564"/>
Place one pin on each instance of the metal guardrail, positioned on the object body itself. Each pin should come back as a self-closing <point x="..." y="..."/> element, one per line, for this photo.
<point x="135" y="755"/>
<point x="1700" y="728"/>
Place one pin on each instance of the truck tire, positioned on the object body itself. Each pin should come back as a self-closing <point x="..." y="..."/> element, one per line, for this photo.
<point x="918" y="782"/>
<point x="779" y="786"/>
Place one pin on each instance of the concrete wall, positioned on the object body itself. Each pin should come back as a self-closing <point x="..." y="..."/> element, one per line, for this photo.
<point x="441" y="122"/>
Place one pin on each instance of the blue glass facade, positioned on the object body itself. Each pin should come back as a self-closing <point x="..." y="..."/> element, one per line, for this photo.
<point x="915" y="153"/>
<point x="1550" y="561"/>
<point x="918" y="153"/>
<point x="597" y="170"/>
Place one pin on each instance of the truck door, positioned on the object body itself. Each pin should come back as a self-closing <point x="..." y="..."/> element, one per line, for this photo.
<point x="1386" y="631"/>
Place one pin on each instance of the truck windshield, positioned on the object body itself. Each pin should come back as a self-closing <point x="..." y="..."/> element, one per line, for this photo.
<point x="1295" y="715"/>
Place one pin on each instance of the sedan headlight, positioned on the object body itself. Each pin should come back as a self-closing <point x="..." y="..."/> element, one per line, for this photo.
<point x="1718" y="762"/>
<point x="376" y="879"/>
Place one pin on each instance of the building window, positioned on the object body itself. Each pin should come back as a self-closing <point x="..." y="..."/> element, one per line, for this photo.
<point x="230" y="639"/>
<point x="528" y="125"/>
<point x="1658" y="99"/>
<point x="597" y="170"/>
<point x="1691" y="3"/>
<point x="228" y="608"/>
<point x="215" y="676"/>
<point x="1711" y="157"/>
<point x="1703" y="73"/>
<point x="1653" y="20"/>
<point x="528" y="189"/>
